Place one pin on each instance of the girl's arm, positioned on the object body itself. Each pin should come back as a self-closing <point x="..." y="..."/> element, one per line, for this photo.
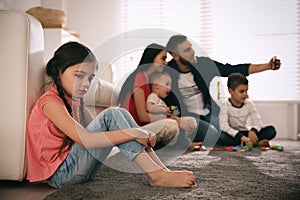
<point x="59" y="115"/>
<point x="140" y="104"/>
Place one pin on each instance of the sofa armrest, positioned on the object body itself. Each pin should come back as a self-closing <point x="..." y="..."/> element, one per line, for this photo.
<point x="22" y="48"/>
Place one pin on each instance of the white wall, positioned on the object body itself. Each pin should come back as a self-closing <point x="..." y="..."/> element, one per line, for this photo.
<point x="20" y="5"/>
<point x="98" y="20"/>
<point x="95" y="20"/>
<point x="284" y="115"/>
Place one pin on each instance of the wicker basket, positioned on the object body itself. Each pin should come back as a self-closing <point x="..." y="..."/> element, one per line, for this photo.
<point x="49" y="18"/>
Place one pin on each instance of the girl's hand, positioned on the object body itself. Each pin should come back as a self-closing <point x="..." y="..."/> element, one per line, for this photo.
<point x="152" y="140"/>
<point x="146" y="138"/>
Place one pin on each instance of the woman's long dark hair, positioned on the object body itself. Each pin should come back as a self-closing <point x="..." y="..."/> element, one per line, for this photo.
<point x="145" y="63"/>
<point x="67" y="55"/>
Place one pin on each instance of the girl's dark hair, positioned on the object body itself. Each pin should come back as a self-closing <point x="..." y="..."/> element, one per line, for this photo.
<point x="145" y="63"/>
<point x="67" y="55"/>
<point x="236" y="79"/>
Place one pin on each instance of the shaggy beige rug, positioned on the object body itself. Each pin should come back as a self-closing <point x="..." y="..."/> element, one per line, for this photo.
<point x="220" y="175"/>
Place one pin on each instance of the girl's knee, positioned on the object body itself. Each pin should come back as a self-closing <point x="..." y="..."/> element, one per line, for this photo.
<point x="123" y="110"/>
<point x="114" y="112"/>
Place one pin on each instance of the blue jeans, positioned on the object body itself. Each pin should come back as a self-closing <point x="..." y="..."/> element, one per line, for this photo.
<point x="81" y="164"/>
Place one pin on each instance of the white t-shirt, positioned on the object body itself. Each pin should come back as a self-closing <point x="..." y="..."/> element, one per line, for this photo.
<point x="153" y="98"/>
<point x="234" y="119"/>
<point x="192" y="95"/>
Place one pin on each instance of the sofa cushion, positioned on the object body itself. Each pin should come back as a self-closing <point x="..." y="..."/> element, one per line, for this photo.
<point x="101" y="95"/>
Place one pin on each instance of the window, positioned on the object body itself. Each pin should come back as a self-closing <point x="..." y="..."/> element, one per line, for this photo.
<point x="232" y="31"/>
<point x="254" y="31"/>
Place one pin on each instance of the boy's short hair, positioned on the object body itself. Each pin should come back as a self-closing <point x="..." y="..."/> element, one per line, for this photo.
<point x="236" y="79"/>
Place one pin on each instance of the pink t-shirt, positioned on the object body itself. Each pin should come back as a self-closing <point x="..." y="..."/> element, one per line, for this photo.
<point x="44" y="139"/>
<point x="141" y="81"/>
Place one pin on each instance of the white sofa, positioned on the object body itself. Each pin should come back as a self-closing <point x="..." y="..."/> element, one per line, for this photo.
<point x="22" y="46"/>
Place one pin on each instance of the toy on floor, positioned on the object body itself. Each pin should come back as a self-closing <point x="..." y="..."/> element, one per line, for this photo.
<point x="239" y="148"/>
<point x="264" y="148"/>
<point x="249" y="144"/>
<point x="218" y="149"/>
<point x="246" y="148"/>
<point x="277" y="147"/>
<point x="198" y="148"/>
<point x="229" y="148"/>
<point x="195" y="148"/>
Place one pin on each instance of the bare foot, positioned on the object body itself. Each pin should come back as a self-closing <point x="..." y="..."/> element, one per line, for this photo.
<point x="263" y="143"/>
<point x="175" y="179"/>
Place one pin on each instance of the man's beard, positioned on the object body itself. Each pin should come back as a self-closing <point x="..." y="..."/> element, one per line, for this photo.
<point x="185" y="62"/>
